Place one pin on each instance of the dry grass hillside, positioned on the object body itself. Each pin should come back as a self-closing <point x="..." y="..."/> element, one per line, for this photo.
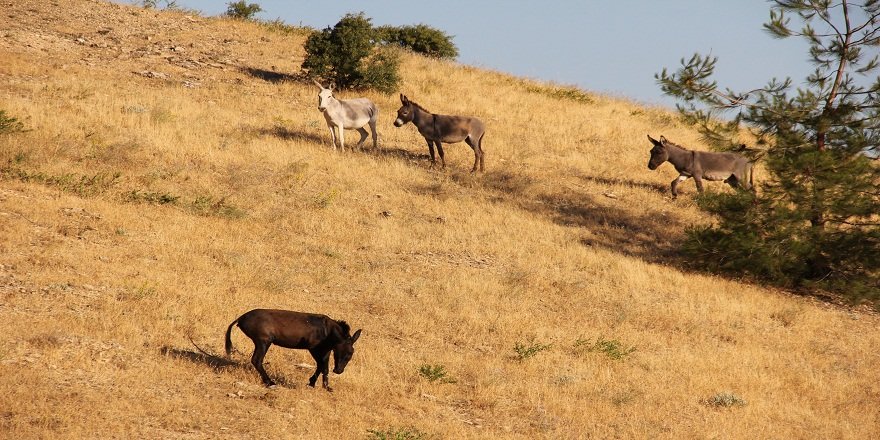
<point x="176" y="174"/>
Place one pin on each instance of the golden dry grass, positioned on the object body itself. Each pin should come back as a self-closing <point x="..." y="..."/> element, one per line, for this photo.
<point x="141" y="215"/>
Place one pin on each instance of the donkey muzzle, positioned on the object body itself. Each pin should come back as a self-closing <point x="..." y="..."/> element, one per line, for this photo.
<point x="398" y="122"/>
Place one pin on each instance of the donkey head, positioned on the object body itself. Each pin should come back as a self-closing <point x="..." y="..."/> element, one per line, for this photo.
<point x="344" y="350"/>
<point x="659" y="154"/>
<point x="405" y="112"/>
<point x="324" y="95"/>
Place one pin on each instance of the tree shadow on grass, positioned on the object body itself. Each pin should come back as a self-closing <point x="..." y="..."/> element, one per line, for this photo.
<point x="288" y="134"/>
<point x="610" y="181"/>
<point x="268" y="75"/>
<point x="648" y="235"/>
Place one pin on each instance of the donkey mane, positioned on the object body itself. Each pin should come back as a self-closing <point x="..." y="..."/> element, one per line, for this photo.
<point x="346" y="329"/>
<point x="418" y="106"/>
<point x="668" y="142"/>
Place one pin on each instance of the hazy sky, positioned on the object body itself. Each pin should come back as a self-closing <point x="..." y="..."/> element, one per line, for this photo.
<point x="610" y="46"/>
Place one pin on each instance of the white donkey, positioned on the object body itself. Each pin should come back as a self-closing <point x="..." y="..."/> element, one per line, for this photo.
<point x="347" y="114"/>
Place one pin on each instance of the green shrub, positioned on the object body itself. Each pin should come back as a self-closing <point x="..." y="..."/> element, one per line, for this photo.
<point x="242" y="10"/>
<point x="436" y="373"/>
<point x="154" y="4"/>
<point x="530" y="349"/>
<point x="725" y="400"/>
<point x="420" y="38"/>
<point x="9" y="124"/>
<point x="397" y="434"/>
<point x="346" y="55"/>
<point x="613" y="348"/>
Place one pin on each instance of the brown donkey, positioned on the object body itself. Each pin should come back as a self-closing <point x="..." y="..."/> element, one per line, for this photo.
<point x="316" y="333"/>
<point x="443" y="128"/>
<point x="733" y="169"/>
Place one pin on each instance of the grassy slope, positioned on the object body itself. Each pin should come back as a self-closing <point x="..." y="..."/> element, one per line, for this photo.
<point x="104" y="290"/>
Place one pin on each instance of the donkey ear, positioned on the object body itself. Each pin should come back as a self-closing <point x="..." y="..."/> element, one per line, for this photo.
<point x="355" y="336"/>
<point x="403" y="99"/>
<point x="332" y="86"/>
<point x="653" y="141"/>
<point x="663" y="140"/>
<point x="317" y="83"/>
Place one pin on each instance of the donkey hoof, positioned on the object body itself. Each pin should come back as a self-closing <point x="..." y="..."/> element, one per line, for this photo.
<point x="329" y="390"/>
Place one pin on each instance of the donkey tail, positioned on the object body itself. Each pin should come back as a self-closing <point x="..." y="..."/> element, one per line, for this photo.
<point x="229" y="337"/>
<point x="752" y="176"/>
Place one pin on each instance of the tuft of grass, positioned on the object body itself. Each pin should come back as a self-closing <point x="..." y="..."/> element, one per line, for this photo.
<point x="530" y="349"/>
<point x="9" y="124"/>
<point x="612" y="348"/>
<point x="397" y="434"/>
<point x="137" y="292"/>
<point x="80" y="184"/>
<point x="209" y="207"/>
<point x="435" y="373"/>
<point x="725" y="399"/>
<point x="325" y="199"/>
<point x="158" y="198"/>
<point x="278" y="25"/>
<point x="570" y="93"/>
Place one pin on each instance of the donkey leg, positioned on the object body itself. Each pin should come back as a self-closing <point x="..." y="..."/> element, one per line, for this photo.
<point x="314" y="377"/>
<point x="431" y="150"/>
<point x="478" y="153"/>
<point x="364" y="135"/>
<point x="260" y="349"/>
<point x="341" y="138"/>
<point x="733" y="181"/>
<point x="699" y="181"/>
<point x="675" y="185"/>
<point x="442" y="158"/>
<point x="325" y="372"/>
<point x="375" y="135"/>
<point x="333" y="136"/>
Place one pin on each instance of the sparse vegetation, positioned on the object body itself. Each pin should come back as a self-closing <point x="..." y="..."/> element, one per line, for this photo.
<point x="725" y="400"/>
<point x="140" y="292"/>
<point x="243" y="10"/>
<point x="84" y="185"/>
<point x="526" y="350"/>
<point x="155" y="4"/>
<point x="612" y="348"/>
<point x="436" y="373"/>
<point x="9" y="124"/>
<point x="397" y="434"/>
<point x="570" y="93"/>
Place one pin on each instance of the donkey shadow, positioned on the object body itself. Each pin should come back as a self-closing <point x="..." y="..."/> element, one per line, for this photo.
<point x="219" y="363"/>
<point x="400" y="154"/>
<point x="215" y="362"/>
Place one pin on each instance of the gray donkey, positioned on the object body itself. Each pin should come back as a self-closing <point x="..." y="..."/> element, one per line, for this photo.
<point x="342" y="114"/>
<point x="733" y="169"/>
<point x="443" y="128"/>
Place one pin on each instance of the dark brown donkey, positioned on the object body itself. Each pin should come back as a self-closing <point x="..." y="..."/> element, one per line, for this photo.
<point x="733" y="169"/>
<point x="316" y="333"/>
<point x="443" y="128"/>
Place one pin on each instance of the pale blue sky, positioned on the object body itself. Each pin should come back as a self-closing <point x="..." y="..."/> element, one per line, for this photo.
<point x="609" y="46"/>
